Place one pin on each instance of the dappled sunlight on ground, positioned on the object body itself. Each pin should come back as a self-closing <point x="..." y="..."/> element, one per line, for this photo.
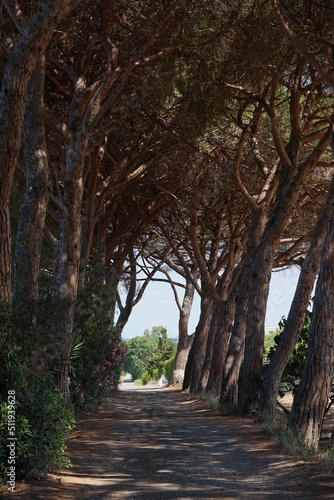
<point x="162" y="444"/>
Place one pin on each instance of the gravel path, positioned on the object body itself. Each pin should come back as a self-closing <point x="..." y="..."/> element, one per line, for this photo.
<point x="156" y="443"/>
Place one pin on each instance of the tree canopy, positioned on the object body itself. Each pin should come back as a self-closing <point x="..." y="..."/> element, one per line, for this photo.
<point x="144" y="137"/>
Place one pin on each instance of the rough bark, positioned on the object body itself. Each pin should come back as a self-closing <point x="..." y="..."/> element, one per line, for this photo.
<point x="291" y="333"/>
<point x="197" y="351"/>
<point x="219" y="332"/>
<point x="89" y="217"/>
<point x="230" y="376"/>
<point x="290" y="184"/>
<point x="67" y="258"/>
<point x="313" y="391"/>
<point x="222" y="336"/>
<point x="258" y="290"/>
<point x="215" y="323"/>
<point x="181" y="358"/>
<point x="125" y="311"/>
<point x="112" y="278"/>
<point x="185" y="340"/>
<point x="5" y="250"/>
<point x="33" y="40"/>
<point x="85" y="107"/>
<point x="33" y="211"/>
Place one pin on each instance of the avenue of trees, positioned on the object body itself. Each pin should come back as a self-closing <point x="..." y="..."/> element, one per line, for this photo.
<point x="139" y="138"/>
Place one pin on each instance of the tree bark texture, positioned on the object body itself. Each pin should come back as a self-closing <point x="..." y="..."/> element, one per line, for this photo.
<point x="125" y="311"/>
<point x="291" y="180"/>
<point x="230" y="376"/>
<point x="89" y="216"/>
<point x="200" y="342"/>
<point x="33" y="40"/>
<point x="112" y="279"/>
<point x="222" y="336"/>
<point x="33" y="211"/>
<point x="258" y="289"/>
<point x="99" y="261"/>
<point x="5" y="248"/>
<point x="197" y="351"/>
<point x="293" y="327"/>
<point x="185" y="340"/>
<point x="313" y="391"/>
<point x="67" y="256"/>
<point x="181" y="359"/>
<point x="214" y="326"/>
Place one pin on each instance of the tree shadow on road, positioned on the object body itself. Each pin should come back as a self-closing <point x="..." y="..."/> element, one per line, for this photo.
<point x="163" y="444"/>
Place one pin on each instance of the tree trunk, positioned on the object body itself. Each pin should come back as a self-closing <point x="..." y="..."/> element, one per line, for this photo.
<point x="313" y="391"/>
<point x="67" y="258"/>
<point x="197" y="351"/>
<point x="230" y="377"/>
<point x="232" y="365"/>
<point x="256" y="310"/>
<point x="5" y="248"/>
<point x="215" y="325"/>
<point x="185" y="340"/>
<point x="89" y="219"/>
<point x="181" y="359"/>
<point x="33" y="40"/>
<point x="112" y="279"/>
<point x="291" y="180"/>
<point x="126" y="311"/>
<point x="99" y="261"/>
<point x="82" y="116"/>
<point x="291" y="333"/>
<point x="260" y="275"/>
<point x="222" y="336"/>
<point x="33" y="211"/>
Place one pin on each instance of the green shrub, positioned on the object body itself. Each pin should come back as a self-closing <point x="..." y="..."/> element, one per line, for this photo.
<point x="293" y="371"/>
<point x="166" y="348"/>
<point x="97" y="354"/>
<point x="155" y="374"/>
<point x="168" y="368"/>
<point x="269" y="343"/>
<point x="42" y="416"/>
<point x="145" y="378"/>
<point x="22" y="433"/>
<point x="50" y="419"/>
<point x="149" y="353"/>
<point x="29" y="364"/>
<point x="42" y="422"/>
<point x="139" y="354"/>
<point x="133" y="365"/>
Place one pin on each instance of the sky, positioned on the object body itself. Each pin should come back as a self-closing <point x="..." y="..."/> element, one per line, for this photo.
<point x="158" y="307"/>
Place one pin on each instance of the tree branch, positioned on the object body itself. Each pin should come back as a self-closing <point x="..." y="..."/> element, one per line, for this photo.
<point x="300" y="46"/>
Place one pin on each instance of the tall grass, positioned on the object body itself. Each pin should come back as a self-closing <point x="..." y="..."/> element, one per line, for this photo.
<point x="213" y="403"/>
<point x="287" y="438"/>
<point x="295" y="445"/>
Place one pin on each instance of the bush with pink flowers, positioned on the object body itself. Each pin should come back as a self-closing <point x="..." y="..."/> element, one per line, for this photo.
<point x="112" y="367"/>
<point x="98" y="355"/>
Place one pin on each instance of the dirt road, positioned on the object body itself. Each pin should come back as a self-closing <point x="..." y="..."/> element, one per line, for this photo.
<point x="155" y="443"/>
